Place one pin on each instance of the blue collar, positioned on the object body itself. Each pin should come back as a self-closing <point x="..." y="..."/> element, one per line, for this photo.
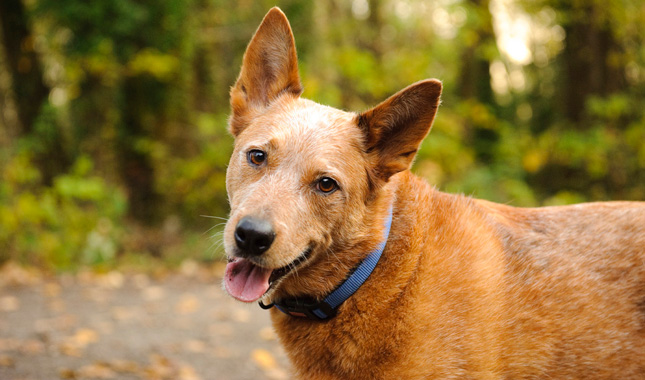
<point x="327" y="308"/>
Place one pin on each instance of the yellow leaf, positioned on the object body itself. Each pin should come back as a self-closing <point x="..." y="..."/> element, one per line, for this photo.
<point x="194" y="345"/>
<point x="241" y="315"/>
<point x="97" y="370"/>
<point x="12" y="273"/>
<point x="112" y="280"/>
<point x="70" y="350"/>
<point x="125" y="366"/>
<point x="153" y="293"/>
<point x="6" y="361"/>
<point x="52" y="289"/>
<point x="66" y="373"/>
<point x="85" y="336"/>
<point x="263" y="359"/>
<point x="188" y="304"/>
<point x="9" y="303"/>
<point x="188" y="373"/>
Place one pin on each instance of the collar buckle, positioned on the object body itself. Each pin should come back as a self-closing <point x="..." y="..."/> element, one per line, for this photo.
<point x="306" y="308"/>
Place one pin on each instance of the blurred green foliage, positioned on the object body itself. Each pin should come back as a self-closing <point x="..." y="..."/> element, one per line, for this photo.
<point x="76" y="220"/>
<point x="138" y="103"/>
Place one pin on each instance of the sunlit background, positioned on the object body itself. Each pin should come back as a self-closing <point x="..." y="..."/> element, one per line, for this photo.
<point x="113" y="142"/>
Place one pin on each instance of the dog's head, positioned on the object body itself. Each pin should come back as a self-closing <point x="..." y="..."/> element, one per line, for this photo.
<point x="306" y="181"/>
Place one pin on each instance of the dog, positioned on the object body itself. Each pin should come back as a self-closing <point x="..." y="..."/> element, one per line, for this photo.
<point x="372" y="273"/>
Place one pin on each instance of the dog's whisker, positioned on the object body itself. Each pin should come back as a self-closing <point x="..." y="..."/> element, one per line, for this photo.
<point x="216" y="248"/>
<point x="213" y="227"/>
<point x="214" y="217"/>
<point x="218" y="242"/>
<point x="217" y="235"/>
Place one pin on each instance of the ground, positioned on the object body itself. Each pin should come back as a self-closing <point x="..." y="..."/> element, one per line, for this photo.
<point x="156" y="325"/>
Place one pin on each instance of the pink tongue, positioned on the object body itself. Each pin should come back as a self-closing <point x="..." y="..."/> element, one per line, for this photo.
<point x="245" y="281"/>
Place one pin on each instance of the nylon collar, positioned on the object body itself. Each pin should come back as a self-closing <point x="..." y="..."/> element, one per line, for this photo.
<point x="327" y="308"/>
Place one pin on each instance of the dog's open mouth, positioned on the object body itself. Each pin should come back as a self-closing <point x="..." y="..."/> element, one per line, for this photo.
<point x="248" y="282"/>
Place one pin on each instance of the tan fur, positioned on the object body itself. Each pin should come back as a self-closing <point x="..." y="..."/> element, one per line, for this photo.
<point x="465" y="288"/>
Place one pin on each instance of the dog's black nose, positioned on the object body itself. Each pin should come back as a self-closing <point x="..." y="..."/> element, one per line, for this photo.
<point x="253" y="236"/>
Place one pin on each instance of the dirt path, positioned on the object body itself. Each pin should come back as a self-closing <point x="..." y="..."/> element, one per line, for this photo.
<point x="178" y="326"/>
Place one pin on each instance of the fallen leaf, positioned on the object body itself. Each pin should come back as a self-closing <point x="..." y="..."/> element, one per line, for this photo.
<point x="112" y="280"/>
<point x="263" y="359"/>
<point x="70" y="349"/>
<point x="188" y="373"/>
<point x="241" y="315"/>
<point x="9" y="303"/>
<point x="160" y="368"/>
<point x="194" y="345"/>
<point x="7" y="361"/>
<point x="266" y="361"/>
<point x="12" y="274"/>
<point x="125" y="366"/>
<point x="85" y="336"/>
<point x="98" y="370"/>
<point x="153" y="293"/>
<point x="52" y="289"/>
<point x="74" y="345"/>
<point x="188" y="304"/>
<point x="66" y="373"/>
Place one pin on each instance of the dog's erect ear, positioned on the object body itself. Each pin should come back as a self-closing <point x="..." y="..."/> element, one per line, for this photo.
<point x="269" y="68"/>
<point x="395" y="128"/>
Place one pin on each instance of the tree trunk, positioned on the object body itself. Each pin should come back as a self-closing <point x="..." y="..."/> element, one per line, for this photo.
<point x="474" y="83"/>
<point x="30" y="93"/>
<point x="135" y="162"/>
<point x="589" y="44"/>
<point x="24" y="67"/>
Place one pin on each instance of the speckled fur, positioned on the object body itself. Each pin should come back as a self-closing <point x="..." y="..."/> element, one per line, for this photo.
<point x="466" y="288"/>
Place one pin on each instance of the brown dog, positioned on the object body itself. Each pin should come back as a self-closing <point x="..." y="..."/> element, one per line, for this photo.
<point x="464" y="288"/>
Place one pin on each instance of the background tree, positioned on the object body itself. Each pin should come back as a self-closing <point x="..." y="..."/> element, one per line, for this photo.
<point x="27" y="77"/>
<point x="132" y="57"/>
<point x="30" y="92"/>
<point x="593" y="131"/>
<point x="474" y="83"/>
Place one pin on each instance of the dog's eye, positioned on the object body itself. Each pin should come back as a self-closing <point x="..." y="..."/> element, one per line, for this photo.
<point x="256" y="157"/>
<point x="327" y="185"/>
